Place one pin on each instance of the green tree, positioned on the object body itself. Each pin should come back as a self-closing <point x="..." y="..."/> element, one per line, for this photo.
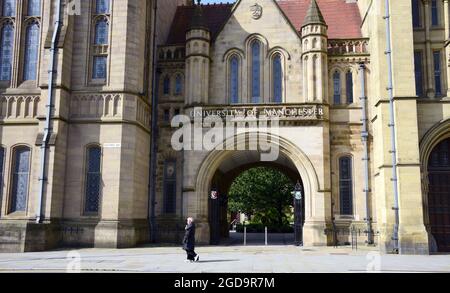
<point x="263" y="193"/>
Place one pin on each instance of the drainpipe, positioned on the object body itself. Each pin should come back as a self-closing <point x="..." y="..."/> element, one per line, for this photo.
<point x="365" y="137"/>
<point x="154" y="135"/>
<point x="48" y="117"/>
<point x="390" y="89"/>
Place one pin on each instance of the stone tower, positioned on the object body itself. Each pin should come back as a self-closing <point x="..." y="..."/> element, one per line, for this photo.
<point x="314" y="42"/>
<point x="198" y="45"/>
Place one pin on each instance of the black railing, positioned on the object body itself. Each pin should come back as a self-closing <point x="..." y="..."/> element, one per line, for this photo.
<point x="353" y="233"/>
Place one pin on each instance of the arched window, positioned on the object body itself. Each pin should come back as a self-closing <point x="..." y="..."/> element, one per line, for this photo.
<point x="234" y="80"/>
<point x="93" y="180"/>
<point x="34" y="7"/>
<point x="20" y="179"/>
<point x="349" y="87"/>
<point x="31" y="51"/>
<point x="170" y="187"/>
<point x="346" y="185"/>
<point x="9" y="8"/>
<point x="277" y="80"/>
<point x="256" y="71"/>
<point x="166" y="85"/>
<point x="2" y="168"/>
<point x="178" y="85"/>
<point x="416" y="13"/>
<point x="102" y="7"/>
<point x="337" y="88"/>
<point x="6" y="51"/>
<point x="101" y="32"/>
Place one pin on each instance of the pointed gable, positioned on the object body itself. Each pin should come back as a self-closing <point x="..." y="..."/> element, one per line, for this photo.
<point x="343" y="19"/>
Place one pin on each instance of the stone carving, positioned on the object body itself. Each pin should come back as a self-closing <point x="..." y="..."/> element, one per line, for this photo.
<point x="19" y="107"/>
<point x="256" y="11"/>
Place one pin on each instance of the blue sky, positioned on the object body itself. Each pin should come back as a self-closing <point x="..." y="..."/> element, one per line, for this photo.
<point x="217" y="1"/>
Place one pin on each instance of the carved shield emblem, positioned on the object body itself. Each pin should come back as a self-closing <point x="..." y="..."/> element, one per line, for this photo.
<point x="256" y="11"/>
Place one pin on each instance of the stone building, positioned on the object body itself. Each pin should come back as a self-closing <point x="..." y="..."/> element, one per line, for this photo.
<point x="112" y="175"/>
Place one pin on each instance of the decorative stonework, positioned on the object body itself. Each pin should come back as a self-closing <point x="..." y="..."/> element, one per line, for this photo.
<point x="256" y="11"/>
<point x="96" y="106"/>
<point x="19" y="107"/>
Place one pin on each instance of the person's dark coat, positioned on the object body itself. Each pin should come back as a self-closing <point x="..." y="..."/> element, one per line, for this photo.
<point x="189" y="237"/>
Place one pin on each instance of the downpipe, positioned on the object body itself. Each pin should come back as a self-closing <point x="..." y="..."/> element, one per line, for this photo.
<point x="365" y="138"/>
<point x="48" y="117"/>
<point x="390" y="89"/>
<point x="154" y="136"/>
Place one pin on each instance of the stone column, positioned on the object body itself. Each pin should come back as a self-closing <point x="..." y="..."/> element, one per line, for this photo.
<point x="430" y="92"/>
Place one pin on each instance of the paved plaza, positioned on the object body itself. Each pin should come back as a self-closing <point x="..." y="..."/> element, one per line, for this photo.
<point x="222" y="259"/>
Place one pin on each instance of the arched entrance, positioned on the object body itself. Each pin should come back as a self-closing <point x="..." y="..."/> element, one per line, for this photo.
<point x="233" y="165"/>
<point x="439" y="194"/>
<point x="317" y="203"/>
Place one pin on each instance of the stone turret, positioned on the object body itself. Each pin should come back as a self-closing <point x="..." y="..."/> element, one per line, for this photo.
<point x="315" y="42"/>
<point x="198" y="45"/>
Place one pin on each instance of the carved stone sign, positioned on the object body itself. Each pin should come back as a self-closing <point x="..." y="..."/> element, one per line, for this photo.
<point x="256" y="11"/>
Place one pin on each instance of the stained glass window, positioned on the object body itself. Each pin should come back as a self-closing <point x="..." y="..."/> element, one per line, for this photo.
<point x="6" y="51"/>
<point x="346" y="185"/>
<point x="34" y="7"/>
<point x="277" y="80"/>
<point x="9" y="8"/>
<point x="256" y="72"/>
<point x="20" y="178"/>
<point x="437" y="73"/>
<point x="102" y="7"/>
<point x="93" y="179"/>
<point x="337" y="88"/>
<point x="99" y="71"/>
<point x="349" y="87"/>
<point x="234" y="80"/>
<point x="101" y="32"/>
<point x="170" y="187"/>
<point x="31" y="52"/>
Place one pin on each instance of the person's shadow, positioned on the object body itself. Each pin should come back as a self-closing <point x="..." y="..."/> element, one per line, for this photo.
<point x="217" y="260"/>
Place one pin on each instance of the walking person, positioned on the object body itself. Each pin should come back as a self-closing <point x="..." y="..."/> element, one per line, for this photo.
<point x="189" y="241"/>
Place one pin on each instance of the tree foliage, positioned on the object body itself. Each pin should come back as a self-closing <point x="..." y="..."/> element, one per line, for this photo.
<point x="264" y="194"/>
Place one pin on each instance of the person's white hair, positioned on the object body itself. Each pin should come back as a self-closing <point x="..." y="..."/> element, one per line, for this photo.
<point x="191" y="219"/>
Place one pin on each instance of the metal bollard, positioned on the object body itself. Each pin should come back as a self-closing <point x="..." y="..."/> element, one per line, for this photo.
<point x="265" y="236"/>
<point x="245" y="236"/>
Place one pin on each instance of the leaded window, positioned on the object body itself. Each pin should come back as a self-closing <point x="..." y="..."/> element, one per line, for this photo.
<point x="166" y="85"/>
<point x="418" y="73"/>
<point x="93" y="180"/>
<point x="99" y="71"/>
<point x="170" y="187"/>
<point x="349" y="87"/>
<point x="34" y="7"/>
<point x="178" y="85"/>
<point x="102" y="7"/>
<point x="31" y="51"/>
<point x="6" y="51"/>
<point x="101" y="32"/>
<point x="9" y="8"/>
<point x="234" y="80"/>
<point x="346" y="185"/>
<point x="416" y="13"/>
<point x="437" y="72"/>
<point x="277" y="80"/>
<point x="434" y="13"/>
<point x="256" y="71"/>
<point x="20" y="179"/>
<point x="337" y="88"/>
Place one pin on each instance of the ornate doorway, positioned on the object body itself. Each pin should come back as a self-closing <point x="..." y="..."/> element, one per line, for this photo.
<point x="439" y="195"/>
